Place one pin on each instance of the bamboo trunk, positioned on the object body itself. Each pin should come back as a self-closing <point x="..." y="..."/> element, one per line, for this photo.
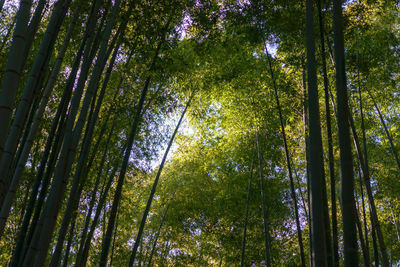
<point x="154" y="187"/>
<point x="246" y="216"/>
<point x="79" y="178"/>
<point x="264" y="205"/>
<point x="288" y="162"/>
<point x="131" y="138"/>
<point x="346" y="161"/>
<point x="331" y="247"/>
<point x="157" y="235"/>
<point x="315" y="144"/>
<point x="31" y="88"/>
<point x="12" y="75"/>
<point x="6" y="206"/>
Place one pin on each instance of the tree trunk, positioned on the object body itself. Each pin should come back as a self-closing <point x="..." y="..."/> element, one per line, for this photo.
<point x="307" y="167"/>
<point x="157" y="235"/>
<point x="346" y="161"/>
<point x="31" y="87"/>
<point x="69" y="243"/>
<point x="81" y="257"/>
<point x="289" y="167"/>
<point x="42" y="179"/>
<point x="365" y="169"/>
<point x="332" y="249"/>
<point x="362" y="241"/>
<point x="27" y="126"/>
<point x="264" y="205"/>
<point x="71" y="140"/>
<point x="113" y="243"/>
<point x="364" y="215"/>
<point x="246" y="216"/>
<point x="374" y="217"/>
<point x="154" y="187"/>
<point x="366" y="164"/>
<point x="376" y="224"/>
<point x="374" y="243"/>
<point x="131" y="138"/>
<point x="315" y="144"/>
<point x="97" y="182"/>
<point x="6" y="206"/>
<point x="79" y="178"/>
<point x="12" y="74"/>
<point x="73" y="200"/>
<point x="94" y="192"/>
<point x="32" y="29"/>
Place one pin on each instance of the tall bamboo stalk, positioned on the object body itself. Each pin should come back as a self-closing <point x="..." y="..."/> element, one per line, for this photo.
<point x="315" y="144"/>
<point x="131" y="138"/>
<point x="288" y="162"/>
<point x="153" y="248"/>
<point x="264" y="205"/>
<point x="334" y="246"/>
<point x="246" y="216"/>
<point x="30" y="89"/>
<point x="12" y="74"/>
<point x="346" y="161"/>
<point x="154" y="187"/>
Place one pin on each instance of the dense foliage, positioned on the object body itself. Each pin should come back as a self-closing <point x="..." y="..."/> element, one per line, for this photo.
<point x="93" y="92"/>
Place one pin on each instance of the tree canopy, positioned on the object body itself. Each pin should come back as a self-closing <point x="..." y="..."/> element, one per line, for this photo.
<point x="199" y="133"/>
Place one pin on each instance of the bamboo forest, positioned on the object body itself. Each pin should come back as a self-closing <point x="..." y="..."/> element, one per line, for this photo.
<point x="200" y="133"/>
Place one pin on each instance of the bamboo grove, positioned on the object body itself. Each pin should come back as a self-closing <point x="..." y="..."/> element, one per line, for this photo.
<point x="199" y="133"/>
